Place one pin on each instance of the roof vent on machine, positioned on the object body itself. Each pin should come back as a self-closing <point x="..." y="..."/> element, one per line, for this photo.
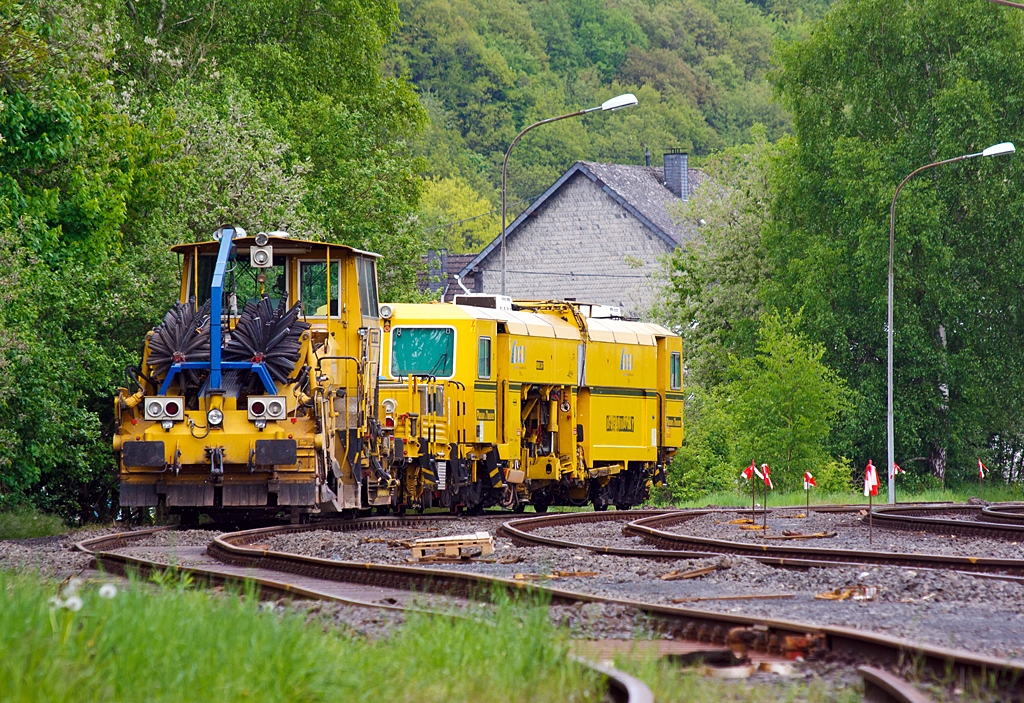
<point x="495" y="302"/>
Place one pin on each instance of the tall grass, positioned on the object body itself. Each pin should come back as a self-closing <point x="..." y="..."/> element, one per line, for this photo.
<point x="22" y="522"/>
<point x="177" y="644"/>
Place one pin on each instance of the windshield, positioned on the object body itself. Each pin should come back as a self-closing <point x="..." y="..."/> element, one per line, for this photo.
<point x="422" y="351"/>
<point x="243" y="280"/>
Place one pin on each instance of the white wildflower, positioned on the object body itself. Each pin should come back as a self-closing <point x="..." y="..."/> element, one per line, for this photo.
<point x="56" y="602"/>
<point x="74" y="604"/>
<point x="72" y="588"/>
<point x="108" y="590"/>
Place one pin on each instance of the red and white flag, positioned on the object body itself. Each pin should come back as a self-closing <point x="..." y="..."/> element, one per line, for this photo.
<point x="896" y="470"/>
<point x="767" y="476"/>
<point x="809" y="481"/>
<point x="870" y="480"/>
<point x="748" y="473"/>
<point x="982" y="469"/>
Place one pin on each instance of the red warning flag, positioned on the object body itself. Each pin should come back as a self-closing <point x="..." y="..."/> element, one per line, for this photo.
<point x="982" y="469"/>
<point x="767" y="476"/>
<point x="748" y="473"/>
<point x="809" y="481"/>
<point x="870" y="480"/>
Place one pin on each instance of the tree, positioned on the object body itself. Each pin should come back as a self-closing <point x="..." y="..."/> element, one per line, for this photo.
<point x="880" y="88"/>
<point x="713" y="284"/>
<point x="784" y="402"/>
<point x="460" y="219"/>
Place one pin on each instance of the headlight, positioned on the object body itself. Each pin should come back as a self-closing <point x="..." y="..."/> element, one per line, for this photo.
<point x="267" y="407"/>
<point x="215" y="416"/>
<point x="389" y="405"/>
<point x="163" y="408"/>
<point x="386" y="312"/>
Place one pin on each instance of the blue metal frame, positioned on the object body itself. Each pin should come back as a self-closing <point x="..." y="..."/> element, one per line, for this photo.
<point x="215" y="365"/>
<point x="258" y="367"/>
<point x="227" y="236"/>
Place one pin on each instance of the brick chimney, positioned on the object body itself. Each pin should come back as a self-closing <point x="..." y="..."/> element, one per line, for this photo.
<point x="677" y="173"/>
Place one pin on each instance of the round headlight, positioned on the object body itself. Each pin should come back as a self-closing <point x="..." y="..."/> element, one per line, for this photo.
<point x="386" y="312"/>
<point x="261" y="258"/>
<point x="215" y="416"/>
<point x="262" y="239"/>
<point x="389" y="405"/>
<point x="274" y="408"/>
<point x="155" y="408"/>
<point x="257" y="407"/>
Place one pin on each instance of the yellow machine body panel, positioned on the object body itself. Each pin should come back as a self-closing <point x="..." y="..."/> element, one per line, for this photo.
<point x="302" y="320"/>
<point x="528" y="401"/>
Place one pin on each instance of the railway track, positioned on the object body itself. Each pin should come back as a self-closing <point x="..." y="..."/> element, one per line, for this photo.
<point x="241" y="558"/>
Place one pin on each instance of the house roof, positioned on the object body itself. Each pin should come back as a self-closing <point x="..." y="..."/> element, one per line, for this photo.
<point x="639" y="189"/>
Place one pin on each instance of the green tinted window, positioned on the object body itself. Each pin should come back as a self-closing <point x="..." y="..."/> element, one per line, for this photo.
<point x="313" y="287"/>
<point x="484" y="358"/>
<point x="367" y="274"/>
<point x="675" y="371"/>
<point x="422" y="351"/>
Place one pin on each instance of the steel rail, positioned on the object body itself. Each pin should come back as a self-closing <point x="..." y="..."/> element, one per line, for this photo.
<point x="760" y="634"/>
<point x="882" y="687"/>
<point x="1012" y="514"/>
<point x="622" y="688"/>
<point x="920" y="518"/>
<point x="649" y="529"/>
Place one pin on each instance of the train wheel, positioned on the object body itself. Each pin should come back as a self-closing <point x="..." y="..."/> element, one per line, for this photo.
<point x="519" y="507"/>
<point x="540" y="507"/>
<point x="600" y="507"/>
<point x="623" y="506"/>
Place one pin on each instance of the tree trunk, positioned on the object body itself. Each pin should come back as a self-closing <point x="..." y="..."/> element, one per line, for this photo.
<point x="937" y="461"/>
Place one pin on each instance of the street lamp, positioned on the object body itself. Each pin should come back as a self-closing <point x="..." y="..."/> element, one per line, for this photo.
<point x="995" y="150"/>
<point x="616" y="103"/>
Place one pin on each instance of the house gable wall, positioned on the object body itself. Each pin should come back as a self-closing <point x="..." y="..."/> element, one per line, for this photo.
<point x="580" y="244"/>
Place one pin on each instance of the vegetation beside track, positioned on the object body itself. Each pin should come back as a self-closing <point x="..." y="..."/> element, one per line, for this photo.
<point x="23" y="522"/>
<point x="182" y="644"/>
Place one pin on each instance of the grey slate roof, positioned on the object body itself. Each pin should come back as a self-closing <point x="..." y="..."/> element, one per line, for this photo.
<point x="639" y="189"/>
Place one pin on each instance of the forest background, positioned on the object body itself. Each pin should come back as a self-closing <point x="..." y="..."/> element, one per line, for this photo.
<point x="129" y="126"/>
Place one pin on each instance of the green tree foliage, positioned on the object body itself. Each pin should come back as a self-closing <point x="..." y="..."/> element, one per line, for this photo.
<point x="714" y="284"/>
<point x="488" y="68"/>
<point x="783" y="402"/>
<point x="777" y="406"/>
<point x="462" y="220"/>
<point x="128" y="127"/>
<point x="879" y="89"/>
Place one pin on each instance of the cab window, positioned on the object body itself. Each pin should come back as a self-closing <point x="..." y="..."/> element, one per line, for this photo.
<point x="675" y="371"/>
<point x="422" y="351"/>
<point x="247" y="283"/>
<point x="484" y="358"/>
<point x="313" y="287"/>
<point x="367" y="272"/>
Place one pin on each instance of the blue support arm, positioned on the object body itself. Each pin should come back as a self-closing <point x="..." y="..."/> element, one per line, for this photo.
<point x="227" y="236"/>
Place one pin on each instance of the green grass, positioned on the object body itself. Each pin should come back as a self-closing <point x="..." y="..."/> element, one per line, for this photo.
<point x="25" y="521"/>
<point x="958" y="495"/>
<point x="176" y="644"/>
<point x="672" y="684"/>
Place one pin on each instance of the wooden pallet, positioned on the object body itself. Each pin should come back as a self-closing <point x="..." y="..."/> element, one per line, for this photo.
<point x="453" y="546"/>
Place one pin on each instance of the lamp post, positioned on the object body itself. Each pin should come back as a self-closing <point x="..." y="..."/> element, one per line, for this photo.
<point x="996" y="150"/>
<point x="616" y="103"/>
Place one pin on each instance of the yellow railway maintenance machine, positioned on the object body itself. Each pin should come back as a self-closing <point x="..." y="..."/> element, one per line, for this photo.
<point x="494" y="402"/>
<point x="257" y="391"/>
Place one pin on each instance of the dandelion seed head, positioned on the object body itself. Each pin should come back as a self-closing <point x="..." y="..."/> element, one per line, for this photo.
<point x="74" y="603"/>
<point x="108" y="590"/>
